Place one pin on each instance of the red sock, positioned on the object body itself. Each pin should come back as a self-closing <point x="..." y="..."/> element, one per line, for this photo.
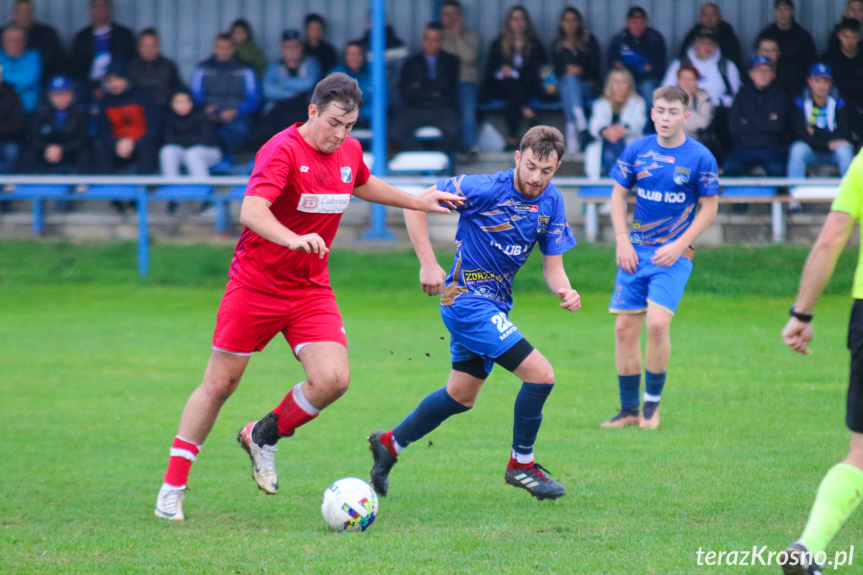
<point x="291" y="415"/>
<point x="514" y="464"/>
<point x="183" y="453"/>
<point x="387" y="440"/>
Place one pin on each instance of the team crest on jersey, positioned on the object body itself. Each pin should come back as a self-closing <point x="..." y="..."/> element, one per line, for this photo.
<point x="542" y="225"/>
<point x="347" y="176"/>
<point x="681" y="176"/>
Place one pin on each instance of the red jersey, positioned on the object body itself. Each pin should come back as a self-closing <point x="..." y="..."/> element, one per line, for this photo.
<point x="309" y="191"/>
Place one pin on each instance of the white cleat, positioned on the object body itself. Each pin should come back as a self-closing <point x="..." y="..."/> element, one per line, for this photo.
<point x="169" y="504"/>
<point x="263" y="461"/>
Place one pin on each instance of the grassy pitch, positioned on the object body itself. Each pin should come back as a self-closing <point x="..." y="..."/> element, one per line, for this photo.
<point x="96" y="365"/>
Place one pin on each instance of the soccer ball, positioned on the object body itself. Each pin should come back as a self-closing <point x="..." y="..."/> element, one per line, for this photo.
<point x="350" y="504"/>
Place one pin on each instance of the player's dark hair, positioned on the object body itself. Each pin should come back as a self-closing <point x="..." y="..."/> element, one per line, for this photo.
<point x="224" y="36"/>
<point x="337" y="87"/>
<point x="149" y="32"/>
<point x="543" y="141"/>
<point x="671" y="94"/>
<point x="452" y="4"/>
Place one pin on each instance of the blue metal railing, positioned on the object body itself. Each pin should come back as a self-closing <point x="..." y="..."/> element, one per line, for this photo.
<point x="222" y="190"/>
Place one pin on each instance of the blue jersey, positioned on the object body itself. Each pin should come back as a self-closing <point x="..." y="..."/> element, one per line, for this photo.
<point x="497" y="229"/>
<point x="669" y="183"/>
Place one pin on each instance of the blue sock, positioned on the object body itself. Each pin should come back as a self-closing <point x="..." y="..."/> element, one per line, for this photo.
<point x="431" y="412"/>
<point x="653" y="385"/>
<point x="629" y="385"/>
<point x="528" y="415"/>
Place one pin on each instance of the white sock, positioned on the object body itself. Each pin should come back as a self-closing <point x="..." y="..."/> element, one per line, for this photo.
<point x="653" y="398"/>
<point x="523" y="458"/>
<point x="397" y="446"/>
<point x="302" y="402"/>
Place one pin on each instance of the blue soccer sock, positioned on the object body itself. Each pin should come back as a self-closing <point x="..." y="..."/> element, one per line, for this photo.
<point x="653" y="385"/>
<point x="428" y="415"/>
<point x="528" y="415"/>
<point x="629" y="386"/>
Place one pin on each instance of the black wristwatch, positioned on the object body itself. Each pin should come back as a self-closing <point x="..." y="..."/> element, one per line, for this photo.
<point x="804" y="317"/>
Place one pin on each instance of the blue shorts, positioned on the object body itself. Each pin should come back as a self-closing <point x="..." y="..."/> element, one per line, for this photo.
<point x="478" y="329"/>
<point x="661" y="286"/>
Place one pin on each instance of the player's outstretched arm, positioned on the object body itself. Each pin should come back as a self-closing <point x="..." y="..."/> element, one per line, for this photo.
<point x="626" y="257"/>
<point x="669" y="253"/>
<point x="432" y="276"/>
<point x="558" y="282"/>
<point x="816" y="274"/>
<point x="379" y="192"/>
<point x="256" y="215"/>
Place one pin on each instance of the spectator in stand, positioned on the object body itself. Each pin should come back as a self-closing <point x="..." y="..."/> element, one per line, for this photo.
<point x="315" y="45"/>
<point x="785" y="76"/>
<point x="464" y="43"/>
<point x="797" y="48"/>
<point x="819" y="123"/>
<point x="618" y="118"/>
<point x="190" y="141"/>
<point x="59" y="140"/>
<point x="700" y="107"/>
<point x="758" y="123"/>
<point x="395" y="53"/>
<point x="227" y="90"/>
<point x="513" y="71"/>
<point x="13" y="127"/>
<point x="246" y="50"/>
<point x="356" y="67"/>
<point x="288" y="86"/>
<point x="847" y="64"/>
<point x="99" y="44"/>
<point x="711" y="17"/>
<point x="40" y="37"/>
<point x="719" y="75"/>
<point x="429" y="90"/>
<point x="575" y="53"/>
<point x="22" y="68"/>
<point x="641" y="50"/>
<point x="854" y="11"/>
<point x="129" y="128"/>
<point x="153" y="72"/>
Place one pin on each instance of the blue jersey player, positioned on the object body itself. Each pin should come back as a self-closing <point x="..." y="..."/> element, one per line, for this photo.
<point x="672" y="175"/>
<point x="504" y="216"/>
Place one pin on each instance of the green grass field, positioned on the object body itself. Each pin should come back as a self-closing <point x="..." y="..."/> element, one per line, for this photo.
<point x="96" y="365"/>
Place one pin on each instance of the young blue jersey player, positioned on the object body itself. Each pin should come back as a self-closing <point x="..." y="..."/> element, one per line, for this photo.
<point x="503" y="217"/>
<point x="672" y="175"/>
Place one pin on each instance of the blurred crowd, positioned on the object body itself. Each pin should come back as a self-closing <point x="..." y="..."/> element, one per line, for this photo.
<point x="113" y="103"/>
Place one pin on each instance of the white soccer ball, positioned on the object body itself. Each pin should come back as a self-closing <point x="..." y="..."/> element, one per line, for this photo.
<point x="350" y="504"/>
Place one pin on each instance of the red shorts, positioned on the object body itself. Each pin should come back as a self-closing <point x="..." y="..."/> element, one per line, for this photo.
<point x="248" y="320"/>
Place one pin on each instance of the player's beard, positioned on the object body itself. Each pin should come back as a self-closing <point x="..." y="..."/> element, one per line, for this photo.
<point x="521" y="186"/>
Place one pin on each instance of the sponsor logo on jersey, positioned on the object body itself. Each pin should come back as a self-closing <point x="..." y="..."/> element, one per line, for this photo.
<point x="681" y="176"/>
<point x="477" y="277"/>
<point x="347" y="176"/>
<point x="304" y="169"/>
<point x="542" y="225"/>
<point x="323" y="203"/>
<point x="666" y="159"/>
<point x="526" y="208"/>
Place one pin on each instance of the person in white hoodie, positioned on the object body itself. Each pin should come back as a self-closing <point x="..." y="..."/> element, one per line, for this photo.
<point x="719" y="75"/>
<point x="618" y="118"/>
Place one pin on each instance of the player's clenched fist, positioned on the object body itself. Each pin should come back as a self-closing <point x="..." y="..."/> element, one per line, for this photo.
<point x="309" y="243"/>
<point x="432" y="278"/>
<point x="570" y="300"/>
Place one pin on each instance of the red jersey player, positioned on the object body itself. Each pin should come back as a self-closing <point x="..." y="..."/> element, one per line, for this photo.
<point x="302" y="183"/>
